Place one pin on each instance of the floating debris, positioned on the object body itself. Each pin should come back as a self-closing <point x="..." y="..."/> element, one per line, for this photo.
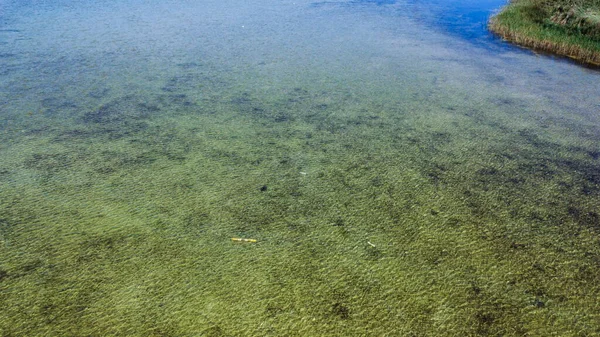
<point x="243" y="240"/>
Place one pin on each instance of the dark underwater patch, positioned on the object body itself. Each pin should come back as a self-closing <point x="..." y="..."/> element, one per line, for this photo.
<point x="589" y="172"/>
<point x="72" y="135"/>
<point x="58" y="105"/>
<point x="5" y="228"/>
<point x="340" y="310"/>
<point x="99" y="93"/>
<point x="245" y="104"/>
<point x="585" y="218"/>
<point x="128" y="108"/>
<point x="49" y="162"/>
<point x="189" y="65"/>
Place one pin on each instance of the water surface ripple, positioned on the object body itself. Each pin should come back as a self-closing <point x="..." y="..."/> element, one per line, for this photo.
<point x="403" y="172"/>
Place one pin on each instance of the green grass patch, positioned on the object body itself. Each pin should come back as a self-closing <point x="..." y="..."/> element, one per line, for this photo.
<point x="568" y="28"/>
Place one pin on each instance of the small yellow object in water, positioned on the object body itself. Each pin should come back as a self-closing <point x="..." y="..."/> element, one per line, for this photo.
<point x="243" y="240"/>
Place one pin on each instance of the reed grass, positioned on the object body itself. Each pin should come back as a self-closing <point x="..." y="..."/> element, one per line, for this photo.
<point x="566" y="28"/>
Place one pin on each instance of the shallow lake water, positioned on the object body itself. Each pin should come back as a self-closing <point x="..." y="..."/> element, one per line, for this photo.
<point x="396" y="169"/>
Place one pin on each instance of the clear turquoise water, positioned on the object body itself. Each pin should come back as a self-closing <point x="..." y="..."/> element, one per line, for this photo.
<point x="402" y="171"/>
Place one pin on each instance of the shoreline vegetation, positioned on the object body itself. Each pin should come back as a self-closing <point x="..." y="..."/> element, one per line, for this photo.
<point x="568" y="28"/>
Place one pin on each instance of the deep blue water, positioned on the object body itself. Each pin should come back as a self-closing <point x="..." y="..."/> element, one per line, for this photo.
<point x="464" y="19"/>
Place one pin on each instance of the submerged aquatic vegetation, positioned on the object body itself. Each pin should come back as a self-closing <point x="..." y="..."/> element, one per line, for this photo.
<point x="371" y="222"/>
<point x="400" y="197"/>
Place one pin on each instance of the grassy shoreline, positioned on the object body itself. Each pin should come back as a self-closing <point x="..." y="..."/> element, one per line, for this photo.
<point x="568" y="28"/>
